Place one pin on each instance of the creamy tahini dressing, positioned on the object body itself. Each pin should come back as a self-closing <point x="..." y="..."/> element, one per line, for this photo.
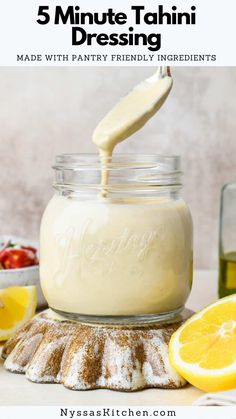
<point x="130" y="114"/>
<point x="132" y="111"/>
<point x="116" y="258"/>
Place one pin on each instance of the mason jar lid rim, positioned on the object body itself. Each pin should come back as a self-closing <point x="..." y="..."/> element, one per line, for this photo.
<point x="83" y="161"/>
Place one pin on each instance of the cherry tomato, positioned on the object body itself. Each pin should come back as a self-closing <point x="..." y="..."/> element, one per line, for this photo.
<point x="11" y="258"/>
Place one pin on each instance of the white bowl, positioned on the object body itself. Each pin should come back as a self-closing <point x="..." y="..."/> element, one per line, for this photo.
<point x="22" y="276"/>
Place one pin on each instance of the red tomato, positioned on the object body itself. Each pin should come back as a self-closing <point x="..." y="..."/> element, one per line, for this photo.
<point x="11" y="258"/>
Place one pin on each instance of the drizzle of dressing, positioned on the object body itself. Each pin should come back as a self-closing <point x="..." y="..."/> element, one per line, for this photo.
<point x="129" y="115"/>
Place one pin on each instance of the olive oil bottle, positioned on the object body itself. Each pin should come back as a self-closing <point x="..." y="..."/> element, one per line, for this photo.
<point x="227" y="241"/>
<point x="227" y="274"/>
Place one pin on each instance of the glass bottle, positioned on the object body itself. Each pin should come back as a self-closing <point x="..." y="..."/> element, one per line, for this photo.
<point x="227" y="241"/>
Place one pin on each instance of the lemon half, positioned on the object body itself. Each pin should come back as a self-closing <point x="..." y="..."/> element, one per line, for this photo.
<point x="17" y="305"/>
<point x="203" y="350"/>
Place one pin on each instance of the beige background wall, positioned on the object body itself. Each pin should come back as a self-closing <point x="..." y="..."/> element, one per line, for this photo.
<point x="44" y="112"/>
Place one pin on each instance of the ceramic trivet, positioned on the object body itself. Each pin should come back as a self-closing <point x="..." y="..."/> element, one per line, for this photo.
<point x="83" y="357"/>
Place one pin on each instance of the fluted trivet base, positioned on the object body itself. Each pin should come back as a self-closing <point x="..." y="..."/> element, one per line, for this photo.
<point x="84" y="357"/>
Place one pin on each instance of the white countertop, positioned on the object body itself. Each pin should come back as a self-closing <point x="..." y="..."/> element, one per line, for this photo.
<point x="17" y="390"/>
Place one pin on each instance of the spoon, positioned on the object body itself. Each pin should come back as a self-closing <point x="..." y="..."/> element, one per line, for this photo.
<point x="133" y="111"/>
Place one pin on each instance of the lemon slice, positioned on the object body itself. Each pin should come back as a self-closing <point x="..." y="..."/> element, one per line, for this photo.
<point x="203" y="350"/>
<point x="17" y="305"/>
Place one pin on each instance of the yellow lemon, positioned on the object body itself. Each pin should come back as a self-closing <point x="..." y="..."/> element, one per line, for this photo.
<point x="17" y="305"/>
<point x="203" y="350"/>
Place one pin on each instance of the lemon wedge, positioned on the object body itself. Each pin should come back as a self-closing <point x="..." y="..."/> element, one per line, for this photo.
<point x="203" y="349"/>
<point x="17" y="305"/>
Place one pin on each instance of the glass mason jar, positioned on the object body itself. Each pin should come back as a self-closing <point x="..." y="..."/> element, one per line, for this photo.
<point x="123" y="255"/>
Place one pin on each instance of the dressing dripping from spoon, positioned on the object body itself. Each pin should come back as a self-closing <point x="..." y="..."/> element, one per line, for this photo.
<point x="129" y="115"/>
